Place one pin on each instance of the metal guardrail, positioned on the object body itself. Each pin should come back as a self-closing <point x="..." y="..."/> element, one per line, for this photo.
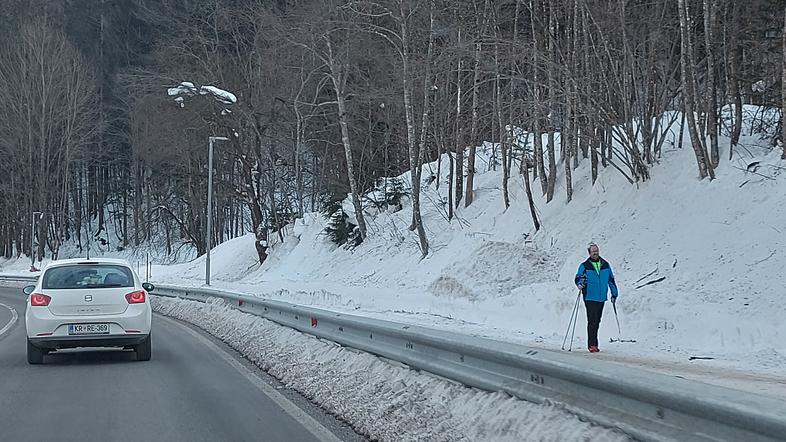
<point x="19" y="278"/>
<point x="648" y="406"/>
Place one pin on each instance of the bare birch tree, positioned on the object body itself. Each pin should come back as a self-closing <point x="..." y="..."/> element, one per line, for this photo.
<point x="712" y="93"/>
<point x="689" y="94"/>
<point x="481" y="23"/>
<point x="783" y="92"/>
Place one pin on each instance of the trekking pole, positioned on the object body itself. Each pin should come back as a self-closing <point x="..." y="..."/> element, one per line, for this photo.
<point x="573" y="316"/>
<point x="575" y="320"/>
<point x="619" y="332"/>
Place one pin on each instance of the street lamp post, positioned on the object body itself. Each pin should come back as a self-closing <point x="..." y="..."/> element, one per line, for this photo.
<point x="180" y="92"/>
<point x="32" y="239"/>
<point x="210" y="203"/>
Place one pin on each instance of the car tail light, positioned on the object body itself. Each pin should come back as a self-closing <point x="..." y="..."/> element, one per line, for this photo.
<point x="136" y="297"/>
<point x="39" y="300"/>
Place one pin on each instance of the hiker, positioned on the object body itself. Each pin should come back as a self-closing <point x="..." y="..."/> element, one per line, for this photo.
<point x="594" y="278"/>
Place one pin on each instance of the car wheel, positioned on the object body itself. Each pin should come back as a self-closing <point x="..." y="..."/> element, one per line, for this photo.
<point x="34" y="354"/>
<point x="143" y="350"/>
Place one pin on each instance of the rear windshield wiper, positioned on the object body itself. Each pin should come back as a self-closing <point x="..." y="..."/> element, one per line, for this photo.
<point x="101" y="286"/>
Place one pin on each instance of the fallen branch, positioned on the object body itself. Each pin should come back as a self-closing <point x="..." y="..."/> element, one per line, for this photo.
<point x="654" y="281"/>
<point x="762" y="260"/>
<point x="647" y="275"/>
<point x="755" y="173"/>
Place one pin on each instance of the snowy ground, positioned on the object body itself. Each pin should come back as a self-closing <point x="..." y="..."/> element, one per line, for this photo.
<point x="718" y="244"/>
<point x="380" y="399"/>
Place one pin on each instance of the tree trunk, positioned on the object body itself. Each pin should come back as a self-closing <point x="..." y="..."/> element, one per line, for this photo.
<point x="459" y="172"/>
<point x="552" y="179"/>
<point x="506" y="136"/>
<point x="532" y="212"/>
<point x="688" y="93"/>
<point x="416" y="153"/>
<point x="587" y="126"/>
<point x="298" y="167"/>
<point x="137" y="200"/>
<point x="451" y="171"/>
<point x="682" y="123"/>
<point x="440" y="149"/>
<point x="735" y="58"/>
<point x="595" y="145"/>
<point x="537" y="135"/>
<point x="353" y="185"/>
<point x="149" y="205"/>
<point x="712" y="105"/>
<point x="571" y="149"/>
<point x="567" y="149"/>
<point x="783" y="93"/>
<point x="734" y="90"/>
<point x="76" y="197"/>
<point x="473" y="137"/>
<point x="339" y="78"/>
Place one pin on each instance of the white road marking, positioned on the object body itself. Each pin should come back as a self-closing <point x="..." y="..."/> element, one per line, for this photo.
<point x="11" y="323"/>
<point x="308" y="422"/>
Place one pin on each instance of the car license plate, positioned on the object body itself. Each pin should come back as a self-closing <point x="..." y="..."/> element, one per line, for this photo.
<point x="88" y="329"/>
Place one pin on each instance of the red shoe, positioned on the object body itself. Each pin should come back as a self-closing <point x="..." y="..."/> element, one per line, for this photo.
<point x="593" y="349"/>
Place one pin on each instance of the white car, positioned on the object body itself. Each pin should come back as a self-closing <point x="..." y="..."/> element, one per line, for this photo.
<point x="88" y="303"/>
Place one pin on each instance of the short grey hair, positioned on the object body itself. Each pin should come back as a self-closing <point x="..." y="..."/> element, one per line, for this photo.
<point x="590" y="246"/>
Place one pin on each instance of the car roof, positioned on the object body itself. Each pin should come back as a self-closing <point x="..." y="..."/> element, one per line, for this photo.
<point x="64" y="262"/>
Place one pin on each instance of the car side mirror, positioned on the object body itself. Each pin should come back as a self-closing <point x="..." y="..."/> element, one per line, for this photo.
<point x="148" y="286"/>
<point x="28" y="290"/>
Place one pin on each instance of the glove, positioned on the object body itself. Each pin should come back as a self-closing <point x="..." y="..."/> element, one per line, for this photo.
<point x="613" y="299"/>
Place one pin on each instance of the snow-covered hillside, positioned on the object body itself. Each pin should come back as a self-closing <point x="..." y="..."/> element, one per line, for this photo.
<point x="715" y="248"/>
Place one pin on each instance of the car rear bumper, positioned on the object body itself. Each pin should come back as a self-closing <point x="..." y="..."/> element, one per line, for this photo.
<point x="51" y="342"/>
<point x="40" y="323"/>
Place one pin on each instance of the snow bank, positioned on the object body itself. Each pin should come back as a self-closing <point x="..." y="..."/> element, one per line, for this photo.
<point x="232" y="260"/>
<point x="380" y="399"/>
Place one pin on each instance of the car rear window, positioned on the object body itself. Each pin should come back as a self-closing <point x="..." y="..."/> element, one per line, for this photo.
<point x="87" y="276"/>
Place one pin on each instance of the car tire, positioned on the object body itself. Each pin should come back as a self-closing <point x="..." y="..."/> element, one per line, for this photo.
<point x="34" y="354"/>
<point x="143" y="350"/>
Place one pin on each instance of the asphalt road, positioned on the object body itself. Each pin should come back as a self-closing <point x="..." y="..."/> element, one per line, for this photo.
<point x="193" y="389"/>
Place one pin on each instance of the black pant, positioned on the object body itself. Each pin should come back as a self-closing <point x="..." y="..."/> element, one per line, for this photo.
<point x="594" y="312"/>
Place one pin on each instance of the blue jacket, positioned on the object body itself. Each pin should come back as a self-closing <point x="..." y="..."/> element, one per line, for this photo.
<point x="597" y="284"/>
